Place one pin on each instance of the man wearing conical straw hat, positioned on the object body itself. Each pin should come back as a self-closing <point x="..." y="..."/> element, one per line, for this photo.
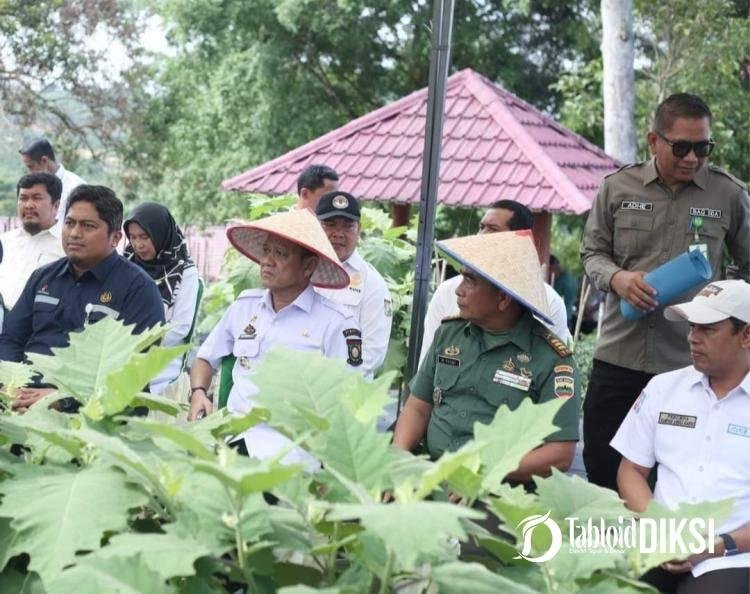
<point x="294" y="255"/>
<point x="495" y="352"/>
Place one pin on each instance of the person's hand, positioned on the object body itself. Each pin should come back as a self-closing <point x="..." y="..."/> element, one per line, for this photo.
<point x="454" y="498"/>
<point x="630" y="286"/>
<point x="677" y="566"/>
<point x="200" y="405"/>
<point x="25" y="397"/>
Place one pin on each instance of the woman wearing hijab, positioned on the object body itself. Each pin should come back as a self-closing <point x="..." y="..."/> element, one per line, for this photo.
<point x="156" y="244"/>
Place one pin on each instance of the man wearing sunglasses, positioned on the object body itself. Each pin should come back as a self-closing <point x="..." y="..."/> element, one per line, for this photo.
<point x="644" y="215"/>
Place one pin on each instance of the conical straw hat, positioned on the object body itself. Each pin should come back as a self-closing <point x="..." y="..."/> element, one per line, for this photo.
<point x="300" y="227"/>
<point x="509" y="261"/>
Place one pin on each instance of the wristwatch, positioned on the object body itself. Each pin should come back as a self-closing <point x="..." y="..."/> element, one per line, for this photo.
<point x="730" y="547"/>
<point x="193" y="390"/>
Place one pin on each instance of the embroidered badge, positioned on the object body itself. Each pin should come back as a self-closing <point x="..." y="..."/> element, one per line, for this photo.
<point x="340" y="201"/>
<point x="105" y="297"/>
<point x="352" y="332"/>
<point x="562" y="369"/>
<point x="511" y="379"/>
<point x="452" y="350"/>
<point x="564" y="386"/>
<point x="449" y="361"/>
<point x="44" y="290"/>
<point x="710" y="290"/>
<point x="524" y="357"/>
<point x="249" y="333"/>
<point x="740" y="430"/>
<point x="635" y="205"/>
<point x="354" y="347"/>
<point x="711" y="213"/>
<point x="668" y="418"/>
<point x="509" y="366"/>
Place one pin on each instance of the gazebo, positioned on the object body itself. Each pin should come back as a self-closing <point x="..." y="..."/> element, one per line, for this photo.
<point x="494" y="146"/>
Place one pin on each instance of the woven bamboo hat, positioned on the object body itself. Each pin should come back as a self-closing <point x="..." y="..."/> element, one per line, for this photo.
<point x="300" y="227"/>
<point x="507" y="260"/>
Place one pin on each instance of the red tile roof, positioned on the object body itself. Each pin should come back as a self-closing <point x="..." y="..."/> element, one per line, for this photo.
<point x="495" y="145"/>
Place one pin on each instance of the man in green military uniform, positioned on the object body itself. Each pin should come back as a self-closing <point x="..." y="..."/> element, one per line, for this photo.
<point x="494" y="354"/>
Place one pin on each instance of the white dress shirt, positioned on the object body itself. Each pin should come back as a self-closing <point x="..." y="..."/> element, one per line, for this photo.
<point x="443" y="304"/>
<point x="23" y="253"/>
<point x="702" y="447"/>
<point x="250" y="328"/>
<point x="69" y="181"/>
<point x="368" y="301"/>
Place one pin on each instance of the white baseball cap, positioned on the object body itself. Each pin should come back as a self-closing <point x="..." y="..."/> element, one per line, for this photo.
<point x="717" y="301"/>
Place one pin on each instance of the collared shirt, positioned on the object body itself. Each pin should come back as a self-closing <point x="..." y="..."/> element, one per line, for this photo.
<point x="251" y="327"/>
<point x="443" y="305"/>
<point x="24" y="253"/>
<point x="55" y="303"/>
<point x="469" y="373"/>
<point x="367" y="299"/>
<point x="638" y="223"/>
<point x="701" y="443"/>
<point x="69" y="182"/>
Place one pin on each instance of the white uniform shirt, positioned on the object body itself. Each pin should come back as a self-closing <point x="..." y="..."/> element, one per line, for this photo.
<point x="368" y="301"/>
<point x="69" y="181"/>
<point x="23" y="253"/>
<point x="443" y="304"/>
<point x="251" y="327"/>
<point x="180" y="319"/>
<point x="702" y="445"/>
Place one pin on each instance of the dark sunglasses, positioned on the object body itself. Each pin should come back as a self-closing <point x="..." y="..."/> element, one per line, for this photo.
<point x="682" y="148"/>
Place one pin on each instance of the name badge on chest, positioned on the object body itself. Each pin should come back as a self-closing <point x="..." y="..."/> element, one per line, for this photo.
<point x="513" y="380"/>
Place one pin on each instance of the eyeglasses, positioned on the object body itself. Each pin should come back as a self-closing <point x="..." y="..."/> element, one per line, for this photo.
<point x="682" y="148"/>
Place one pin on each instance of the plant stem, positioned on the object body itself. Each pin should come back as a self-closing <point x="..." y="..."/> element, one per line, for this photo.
<point x="385" y="580"/>
<point x="331" y="561"/>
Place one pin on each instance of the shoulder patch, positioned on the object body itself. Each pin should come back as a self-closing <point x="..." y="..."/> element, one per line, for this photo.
<point x="557" y="345"/>
<point x="247" y="293"/>
<point x="353" y="346"/>
<point x="725" y="173"/>
<point x="455" y="318"/>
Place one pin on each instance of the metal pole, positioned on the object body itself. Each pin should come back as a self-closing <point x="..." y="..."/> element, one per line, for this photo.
<point x="442" y="28"/>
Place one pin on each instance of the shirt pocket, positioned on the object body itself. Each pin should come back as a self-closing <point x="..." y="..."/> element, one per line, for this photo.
<point x="96" y="312"/>
<point x="712" y="234"/>
<point x="446" y="376"/>
<point x="632" y="235"/>
<point x="47" y="313"/>
<point x="497" y="394"/>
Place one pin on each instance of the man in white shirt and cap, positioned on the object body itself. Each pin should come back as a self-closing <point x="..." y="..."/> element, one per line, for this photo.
<point x="37" y="241"/>
<point x="695" y="423"/>
<point x="502" y="215"/>
<point x="294" y="256"/>
<point x="366" y="298"/>
<point x="38" y="156"/>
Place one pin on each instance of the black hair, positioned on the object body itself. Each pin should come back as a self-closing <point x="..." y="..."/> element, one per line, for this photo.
<point x="36" y="148"/>
<point x="104" y="200"/>
<point x="553" y="260"/>
<point x="522" y="218"/>
<point x="737" y="324"/>
<point x="314" y="176"/>
<point x="679" y="105"/>
<point x="49" y="181"/>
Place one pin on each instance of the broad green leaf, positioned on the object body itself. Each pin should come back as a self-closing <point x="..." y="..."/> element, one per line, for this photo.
<point x="235" y="425"/>
<point x="176" y="435"/>
<point x="513" y="505"/>
<point x="115" y="575"/>
<point x="13" y="375"/>
<point x="289" y="529"/>
<point x="567" y="566"/>
<point x="355" y="450"/>
<point x="59" y="514"/>
<point x="81" y="369"/>
<point x="157" y="403"/>
<point x="366" y="399"/>
<point x="447" y="465"/>
<point x="300" y="589"/>
<point x="167" y="555"/>
<point x="50" y="426"/>
<point x="465" y="482"/>
<point x="570" y="496"/>
<point x="410" y="530"/>
<point x="8" y="540"/>
<point x="460" y="578"/>
<point x="656" y="513"/>
<point x="513" y="434"/>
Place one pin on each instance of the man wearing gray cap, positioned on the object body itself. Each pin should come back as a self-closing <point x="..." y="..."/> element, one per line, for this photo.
<point x="695" y="422"/>
<point x="366" y="298"/>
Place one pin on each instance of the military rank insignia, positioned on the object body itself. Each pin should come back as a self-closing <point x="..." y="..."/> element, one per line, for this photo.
<point x="557" y="345"/>
<point x="354" y="346"/>
<point x="249" y="333"/>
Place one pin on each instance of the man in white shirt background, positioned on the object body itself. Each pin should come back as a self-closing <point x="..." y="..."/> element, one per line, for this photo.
<point x="37" y="241"/>
<point x="502" y="215"/>
<point x="366" y="298"/>
<point x="38" y="156"/>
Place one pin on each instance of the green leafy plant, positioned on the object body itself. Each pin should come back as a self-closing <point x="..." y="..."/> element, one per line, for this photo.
<point x="101" y="501"/>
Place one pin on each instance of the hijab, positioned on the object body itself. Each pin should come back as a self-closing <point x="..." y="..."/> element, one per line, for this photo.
<point x="172" y="256"/>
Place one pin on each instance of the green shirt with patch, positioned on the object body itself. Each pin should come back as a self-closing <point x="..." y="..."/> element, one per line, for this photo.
<point x="468" y="373"/>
